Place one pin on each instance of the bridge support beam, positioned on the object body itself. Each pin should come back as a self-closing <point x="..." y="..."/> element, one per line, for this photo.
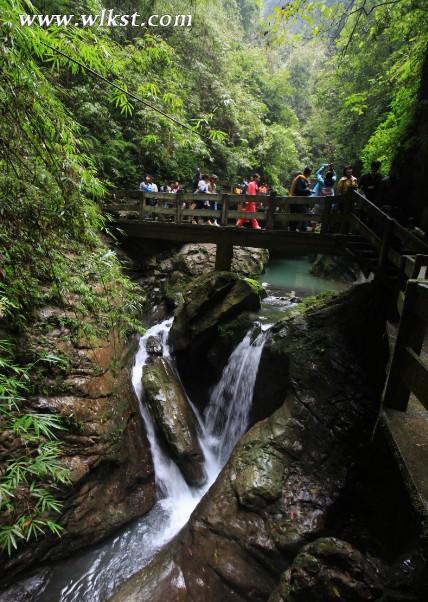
<point x="223" y="257"/>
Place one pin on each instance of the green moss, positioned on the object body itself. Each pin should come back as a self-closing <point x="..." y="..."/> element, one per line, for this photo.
<point x="315" y="302"/>
<point x="171" y="290"/>
<point x="117" y="435"/>
<point x="256" y="287"/>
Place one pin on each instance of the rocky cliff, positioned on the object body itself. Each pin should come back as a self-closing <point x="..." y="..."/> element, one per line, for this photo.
<point x="165" y="272"/>
<point x="104" y="445"/>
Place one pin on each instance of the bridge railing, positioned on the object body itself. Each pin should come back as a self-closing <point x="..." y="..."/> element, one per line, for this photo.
<point x="274" y="212"/>
<point x="385" y="234"/>
<point x="408" y="371"/>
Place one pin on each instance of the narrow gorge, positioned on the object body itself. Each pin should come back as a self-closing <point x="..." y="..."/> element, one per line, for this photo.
<point x="213" y="301"/>
<point x="253" y="412"/>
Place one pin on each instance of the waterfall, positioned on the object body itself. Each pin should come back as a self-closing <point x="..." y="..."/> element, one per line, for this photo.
<point x="94" y="575"/>
<point x="168" y="477"/>
<point x="225" y="421"/>
<point x="227" y="415"/>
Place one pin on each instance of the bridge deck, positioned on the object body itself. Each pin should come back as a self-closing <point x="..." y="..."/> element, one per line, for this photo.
<point x="334" y="221"/>
<point x="278" y="240"/>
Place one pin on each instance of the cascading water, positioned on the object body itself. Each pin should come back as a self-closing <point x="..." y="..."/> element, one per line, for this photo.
<point x="96" y="574"/>
<point x="177" y="498"/>
<point x="226" y="420"/>
<point x="227" y="415"/>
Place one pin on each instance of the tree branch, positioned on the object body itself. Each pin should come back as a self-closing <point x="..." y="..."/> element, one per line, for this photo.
<point x="368" y="12"/>
<point x="348" y="43"/>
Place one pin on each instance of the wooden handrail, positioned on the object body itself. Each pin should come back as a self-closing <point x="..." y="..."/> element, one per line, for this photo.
<point x="413" y="242"/>
<point x="233" y="198"/>
<point x="384" y="233"/>
<point x="408" y="372"/>
<point x="275" y="212"/>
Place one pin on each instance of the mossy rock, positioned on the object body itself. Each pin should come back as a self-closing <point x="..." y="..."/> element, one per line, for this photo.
<point x="212" y="302"/>
<point x="174" y="418"/>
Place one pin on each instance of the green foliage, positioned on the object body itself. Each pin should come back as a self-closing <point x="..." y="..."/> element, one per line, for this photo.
<point x="404" y="31"/>
<point x="50" y="253"/>
<point x="209" y="77"/>
<point x="377" y="80"/>
<point x="33" y="469"/>
<point x="319" y="80"/>
<point x="367" y="76"/>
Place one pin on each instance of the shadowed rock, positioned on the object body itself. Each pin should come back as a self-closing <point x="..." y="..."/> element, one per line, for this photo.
<point x="211" y="303"/>
<point x="330" y="569"/>
<point x="213" y="319"/>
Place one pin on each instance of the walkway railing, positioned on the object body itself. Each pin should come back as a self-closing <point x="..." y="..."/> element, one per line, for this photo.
<point x="344" y="215"/>
<point x="384" y="233"/>
<point x="274" y="212"/>
<point x="408" y="371"/>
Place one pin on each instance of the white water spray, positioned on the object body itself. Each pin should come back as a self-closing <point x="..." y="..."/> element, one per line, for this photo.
<point x="226" y="420"/>
<point x="96" y="574"/>
<point x="227" y="415"/>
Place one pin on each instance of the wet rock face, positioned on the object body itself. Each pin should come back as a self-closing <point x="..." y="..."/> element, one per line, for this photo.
<point x="212" y="302"/>
<point x="104" y="445"/>
<point x="330" y="569"/>
<point x="168" y="272"/>
<point x="275" y="494"/>
<point x="336" y="268"/>
<point x="214" y="318"/>
<point x="154" y="346"/>
<point x="170" y="409"/>
<point x="199" y="259"/>
<point x="27" y="590"/>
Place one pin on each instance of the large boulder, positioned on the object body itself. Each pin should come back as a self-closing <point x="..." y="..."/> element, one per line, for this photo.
<point x="212" y="302"/>
<point x="330" y="569"/>
<point x="165" y="271"/>
<point x="168" y="404"/>
<point x="287" y="473"/>
<point x="217" y="312"/>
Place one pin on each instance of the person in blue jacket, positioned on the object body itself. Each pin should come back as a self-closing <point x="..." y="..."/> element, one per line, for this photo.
<point x="325" y="181"/>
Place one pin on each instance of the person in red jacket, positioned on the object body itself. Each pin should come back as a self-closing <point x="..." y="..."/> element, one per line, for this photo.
<point x="251" y="206"/>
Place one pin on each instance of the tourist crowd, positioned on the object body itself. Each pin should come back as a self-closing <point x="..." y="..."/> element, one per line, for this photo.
<point x="384" y="192"/>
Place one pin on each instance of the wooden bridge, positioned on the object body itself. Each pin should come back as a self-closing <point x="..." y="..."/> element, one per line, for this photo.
<point x="328" y="225"/>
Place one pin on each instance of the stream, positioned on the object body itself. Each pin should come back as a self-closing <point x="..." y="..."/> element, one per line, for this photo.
<point x="286" y="280"/>
<point x="95" y="574"/>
